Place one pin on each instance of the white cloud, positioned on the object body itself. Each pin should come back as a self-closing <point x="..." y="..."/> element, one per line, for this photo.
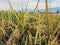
<point x="32" y="4"/>
<point x="4" y="6"/>
<point x="17" y="4"/>
<point x="55" y="4"/>
<point x="17" y="7"/>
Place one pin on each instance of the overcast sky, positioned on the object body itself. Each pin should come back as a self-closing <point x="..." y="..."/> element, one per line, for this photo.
<point x="18" y="4"/>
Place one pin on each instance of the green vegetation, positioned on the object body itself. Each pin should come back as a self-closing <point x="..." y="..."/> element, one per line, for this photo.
<point x="29" y="28"/>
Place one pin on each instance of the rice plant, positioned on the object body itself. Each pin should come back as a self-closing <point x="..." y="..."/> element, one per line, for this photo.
<point x="29" y="28"/>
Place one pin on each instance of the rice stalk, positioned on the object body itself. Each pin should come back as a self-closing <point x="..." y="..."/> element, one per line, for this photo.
<point x="38" y="31"/>
<point x="9" y="16"/>
<point x="55" y="30"/>
<point x="4" y="32"/>
<point x="47" y="18"/>
<point x="2" y="43"/>
<point x="36" y="5"/>
<point x="25" y="20"/>
<point x="30" y="38"/>
<point x="53" y="42"/>
<point x="3" y="23"/>
<point x="26" y="40"/>
<point x="49" y="42"/>
<point x="27" y="5"/>
<point x="25" y="17"/>
<point x="14" y="13"/>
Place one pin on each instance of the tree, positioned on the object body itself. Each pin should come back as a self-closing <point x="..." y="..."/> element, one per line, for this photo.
<point x="57" y="11"/>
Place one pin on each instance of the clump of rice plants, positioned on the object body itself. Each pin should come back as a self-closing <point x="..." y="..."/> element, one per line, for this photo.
<point x="29" y="28"/>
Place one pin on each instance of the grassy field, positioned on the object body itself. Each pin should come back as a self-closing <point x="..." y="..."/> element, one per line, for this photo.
<point x="29" y="28"/>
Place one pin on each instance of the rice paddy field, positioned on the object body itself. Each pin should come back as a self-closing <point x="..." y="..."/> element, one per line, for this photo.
<point x="29" y="28"/>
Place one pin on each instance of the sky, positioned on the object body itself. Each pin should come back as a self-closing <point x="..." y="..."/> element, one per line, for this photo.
<point x="19" y="4"/>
